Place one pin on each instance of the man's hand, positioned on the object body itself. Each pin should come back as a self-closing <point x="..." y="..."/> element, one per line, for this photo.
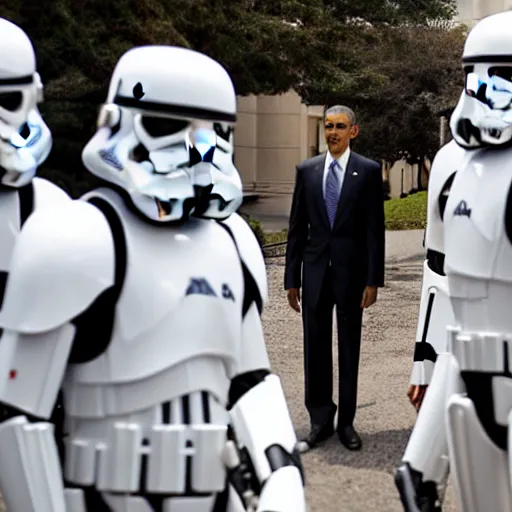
<point x="294" y="299"/>
<point x="416" y="395"/>
<point x="369" y="297"/>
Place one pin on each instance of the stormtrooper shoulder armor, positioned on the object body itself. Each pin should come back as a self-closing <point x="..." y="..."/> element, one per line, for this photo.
<point x="47" y="194"/>
<point x="250" y="253"/>
<point x="63" y="260"/>
<point x="444" y="167"/>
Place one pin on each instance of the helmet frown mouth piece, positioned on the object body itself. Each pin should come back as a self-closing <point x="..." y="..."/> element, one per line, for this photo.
<point x="164" y="207"/>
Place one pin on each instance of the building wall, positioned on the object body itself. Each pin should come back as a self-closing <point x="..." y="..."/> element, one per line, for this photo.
<point x="273" y="134"/>
<point x="470" y="11"/>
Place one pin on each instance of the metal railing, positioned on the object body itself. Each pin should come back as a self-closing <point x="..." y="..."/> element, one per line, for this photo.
<point x="273" y="250"/>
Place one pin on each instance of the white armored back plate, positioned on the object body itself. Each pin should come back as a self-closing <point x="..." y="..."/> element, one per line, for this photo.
<point x="182" y="298"/>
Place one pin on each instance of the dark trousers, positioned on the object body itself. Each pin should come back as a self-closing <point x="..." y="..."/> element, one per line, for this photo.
<point x="318" y="359"/>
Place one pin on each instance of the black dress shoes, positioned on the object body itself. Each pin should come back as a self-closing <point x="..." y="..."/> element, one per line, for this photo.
<point x="349" y="437"/>
<point x="318" y="434"/>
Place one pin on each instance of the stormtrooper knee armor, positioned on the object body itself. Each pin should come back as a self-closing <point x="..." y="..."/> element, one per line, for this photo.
<point x="474" y="373"/>
<point x="142" y="301"/>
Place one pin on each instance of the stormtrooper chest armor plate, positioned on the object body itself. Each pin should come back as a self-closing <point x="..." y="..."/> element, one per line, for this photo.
<point x="178" y="319"/>
<point x="478" y="248"/>
<point x="476" y="241"/>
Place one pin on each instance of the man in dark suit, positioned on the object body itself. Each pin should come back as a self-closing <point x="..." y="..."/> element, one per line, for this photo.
<point x="335" y="252"/>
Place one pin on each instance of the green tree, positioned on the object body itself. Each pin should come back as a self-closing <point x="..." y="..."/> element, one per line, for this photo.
<point x="267" y="46"/>
<point x="393" y="12"/>
<point x="320" y="48"/>
<point x="420" y="75"/>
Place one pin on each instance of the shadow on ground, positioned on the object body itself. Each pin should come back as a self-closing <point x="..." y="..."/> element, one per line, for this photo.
<point x="381" y="451"/>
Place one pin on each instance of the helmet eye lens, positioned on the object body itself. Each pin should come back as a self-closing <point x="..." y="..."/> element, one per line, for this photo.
<point x="493" y="88"/>
<point x="11" y="100"/>
<point x="504" y="72"/>
<point x="162" y="126"/>
<point x="223" y="133"/>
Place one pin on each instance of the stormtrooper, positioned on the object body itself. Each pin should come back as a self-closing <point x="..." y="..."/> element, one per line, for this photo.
<point x="25" y="141"/>
<point x="466" y="419"/>
<point x="142" y="301"/>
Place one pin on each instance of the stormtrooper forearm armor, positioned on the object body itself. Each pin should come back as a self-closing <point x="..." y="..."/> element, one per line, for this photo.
<point x="435" y="313"/>
<point x="435" y="307"/>
<point x="259" y="414"/>
<point x="30" y="471"/>
<point x="264" y="429"/>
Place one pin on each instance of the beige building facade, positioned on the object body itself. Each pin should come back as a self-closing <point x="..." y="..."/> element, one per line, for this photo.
<point x="470" y="11"/>
<point x="275" y="133"/>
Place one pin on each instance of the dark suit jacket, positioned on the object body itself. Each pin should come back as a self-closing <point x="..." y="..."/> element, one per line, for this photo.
<point x="355" y="245"/>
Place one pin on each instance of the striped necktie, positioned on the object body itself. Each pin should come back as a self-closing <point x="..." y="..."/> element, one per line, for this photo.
<point x="332" y="190"/>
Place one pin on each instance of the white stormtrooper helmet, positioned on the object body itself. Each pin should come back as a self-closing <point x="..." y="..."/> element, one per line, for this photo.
<point x="165" y="135"/>
<point x="483" y="116"/>
<point x="25" y="140"/>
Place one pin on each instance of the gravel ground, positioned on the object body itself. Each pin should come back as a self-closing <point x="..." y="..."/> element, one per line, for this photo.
<point x="339" y="480"/>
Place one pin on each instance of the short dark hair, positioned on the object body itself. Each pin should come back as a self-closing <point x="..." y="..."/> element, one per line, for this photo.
<point x="342" y="109"/>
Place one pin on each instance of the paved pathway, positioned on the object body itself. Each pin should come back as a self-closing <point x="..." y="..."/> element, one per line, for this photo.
<point x="339" y="480"/>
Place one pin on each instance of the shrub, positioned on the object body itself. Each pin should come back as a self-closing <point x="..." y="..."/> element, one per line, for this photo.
<point x="407" y="213"/>
<point x="256" y="226"/>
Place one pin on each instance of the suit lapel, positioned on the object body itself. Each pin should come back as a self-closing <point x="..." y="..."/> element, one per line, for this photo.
<point x="318" y="187"/>
<point x="351" y="177"/>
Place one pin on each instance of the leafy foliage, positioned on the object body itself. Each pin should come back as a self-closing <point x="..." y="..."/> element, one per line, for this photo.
<point x="256" y="227"/>
<point x="398" y="80"/>
<point x="393" y="12"/>
<point x="328" y="50"/>
<point x="423" y="76"/>
<point x="407" y="213"/>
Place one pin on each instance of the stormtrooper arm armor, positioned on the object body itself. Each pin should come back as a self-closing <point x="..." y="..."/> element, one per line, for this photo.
<point x="435" y="307"/>
<point x="60" y="266"/>
<point x="434" y="315"/>
<point x="258" y="409"/>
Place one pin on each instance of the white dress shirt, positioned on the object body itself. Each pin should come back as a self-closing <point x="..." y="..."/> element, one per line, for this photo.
<point x="342" y="161"/>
